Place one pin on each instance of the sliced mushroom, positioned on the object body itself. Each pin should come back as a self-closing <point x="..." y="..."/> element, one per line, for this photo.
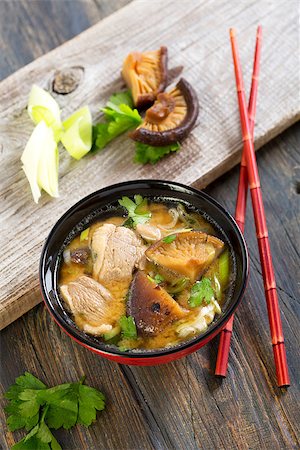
<point x="146" y="75"/>
<point x="190" y="254"/>
<point x="151" y="306"/>
<point x="148" y="232"/>
<point x="80" y="255"/>
<point x="171" y="118"/>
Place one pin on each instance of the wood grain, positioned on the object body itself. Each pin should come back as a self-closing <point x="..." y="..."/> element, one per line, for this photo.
<point x="187" y="407"/>
<point x="182" y="405"/>
<point x="201" y="44"/>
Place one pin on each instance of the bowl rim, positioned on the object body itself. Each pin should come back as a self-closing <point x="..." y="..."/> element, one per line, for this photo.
<point x="77" y="334"/>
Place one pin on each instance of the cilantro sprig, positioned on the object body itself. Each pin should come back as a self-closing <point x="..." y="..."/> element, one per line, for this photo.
<point x="157" y="279"/>
<point x="137" y="210"/>
<point x="119" y="118"/>
<point x="128" y="327"/>
<point x="201" y="291"/>
<point x="149" y="154"/>
<point x="37" y="408"/>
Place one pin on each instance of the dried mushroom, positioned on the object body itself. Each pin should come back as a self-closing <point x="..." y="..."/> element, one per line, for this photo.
<point x="146" y="75"/>
<point x="151" y="306"/>
<point x="171" y="118"/>
<point x="190" y="254"/>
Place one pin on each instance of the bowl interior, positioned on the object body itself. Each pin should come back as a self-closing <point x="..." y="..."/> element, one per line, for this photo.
<point x="101" y="202"/>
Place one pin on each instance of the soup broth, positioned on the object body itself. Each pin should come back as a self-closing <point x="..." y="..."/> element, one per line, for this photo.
<point x="152" y="278"/>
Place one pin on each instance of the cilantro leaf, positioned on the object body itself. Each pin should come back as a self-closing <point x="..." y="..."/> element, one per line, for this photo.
<point x="169" y="239"/>
<point x="137" y="210"/>
<point x="26" y="381"/>
<point x="120" y="117"/>
<point x="90" y="401"/>
<point x="72" y="403"/>
<point x="128" y="327"/>
<point x="39" y="438"/>
<point x="149" y="154"/>
<point x="63" y="405"/>
<point x="123" y="97"/>
<point x="201" y="291"/>
<point x="23" y="409"/>
<point x="158" y="278"/>
<point x="37" y="408"/>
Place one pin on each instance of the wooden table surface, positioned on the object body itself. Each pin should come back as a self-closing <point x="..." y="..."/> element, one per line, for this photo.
<point x="179" y="405"/>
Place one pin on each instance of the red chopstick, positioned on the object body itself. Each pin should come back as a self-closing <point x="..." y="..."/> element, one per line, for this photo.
<point x="241" y="202"/>
<point x="261" y="227"/>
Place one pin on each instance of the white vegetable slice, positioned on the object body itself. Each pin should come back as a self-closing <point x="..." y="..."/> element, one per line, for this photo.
<point x="77" y="137"/>
<point x="40" y="161"/>
<point x="43" y="107"/>
<point x="48" y="168"/>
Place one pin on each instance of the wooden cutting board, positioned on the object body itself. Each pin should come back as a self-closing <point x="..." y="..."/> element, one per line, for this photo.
<point x="196" y="34"/>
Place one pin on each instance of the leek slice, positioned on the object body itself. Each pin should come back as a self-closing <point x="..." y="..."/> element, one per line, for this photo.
<point x="43" y="107"/>
<point x="77" y="137"/>
<point x="224" y="268"/>
<point x="40" y="161"/>
<point x="84" y="235"/>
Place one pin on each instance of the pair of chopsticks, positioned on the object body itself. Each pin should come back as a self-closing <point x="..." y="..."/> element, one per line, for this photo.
<point x="249" y="176"/>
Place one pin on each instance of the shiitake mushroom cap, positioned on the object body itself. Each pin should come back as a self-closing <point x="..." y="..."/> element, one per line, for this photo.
<point x="179" y="132"/>
<point x="143" y="99"/>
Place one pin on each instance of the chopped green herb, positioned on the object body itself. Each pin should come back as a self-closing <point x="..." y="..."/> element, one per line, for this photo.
<point x="201" y="291"/>
<point x="137" y="210"/>
<point x="120" y="117"/>
<point x="169" y="239"/>
<point x="119" y="98"/>
<point x="149" y="154"/>
<point x="128" y="327"/>
<point x="24" y="406"/>
<point x="84" y="234"/>
<point x="37" y="408"/>
<point x="39" y="438"/>
<point x="157" y="279"/>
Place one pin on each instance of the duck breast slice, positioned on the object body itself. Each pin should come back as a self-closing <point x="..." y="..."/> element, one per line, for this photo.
<point x="90" y="302"/>
<point x="116" y="252"/>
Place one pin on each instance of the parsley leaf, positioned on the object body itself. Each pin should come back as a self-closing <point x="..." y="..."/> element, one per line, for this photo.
<point x="201" y="290"/>
<point x="128" y="327"/>
<point x="123" y="97"/>
<point x="158" y="278"/>
<point x="90" y="401"/>
<point x="63" y="406"/>
<point x="169" y="239"/>
<point x="24" y="404"/>
<point x="37" y="408"/>
<point x="72" y="403"/>
<point x="39" y="438"/>
<point x="120" y="117"/>
<point x="137" y="210"/>
<point x="149" y="154"/>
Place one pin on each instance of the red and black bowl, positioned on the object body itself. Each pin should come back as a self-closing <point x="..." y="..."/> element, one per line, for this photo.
<point x="105" y="202"/>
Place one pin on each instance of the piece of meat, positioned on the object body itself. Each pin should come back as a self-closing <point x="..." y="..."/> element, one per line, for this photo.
<point x="116" y="252"/>
<point x="152" y="308"/>
<point x="189" y="254"/>
<point x="90" y="303"/>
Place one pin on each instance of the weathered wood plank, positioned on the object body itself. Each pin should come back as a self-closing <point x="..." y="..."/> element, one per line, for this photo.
<point x="245" y="410"/>
<point x="197" y="35"/>
<point x="182" y="405"/>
